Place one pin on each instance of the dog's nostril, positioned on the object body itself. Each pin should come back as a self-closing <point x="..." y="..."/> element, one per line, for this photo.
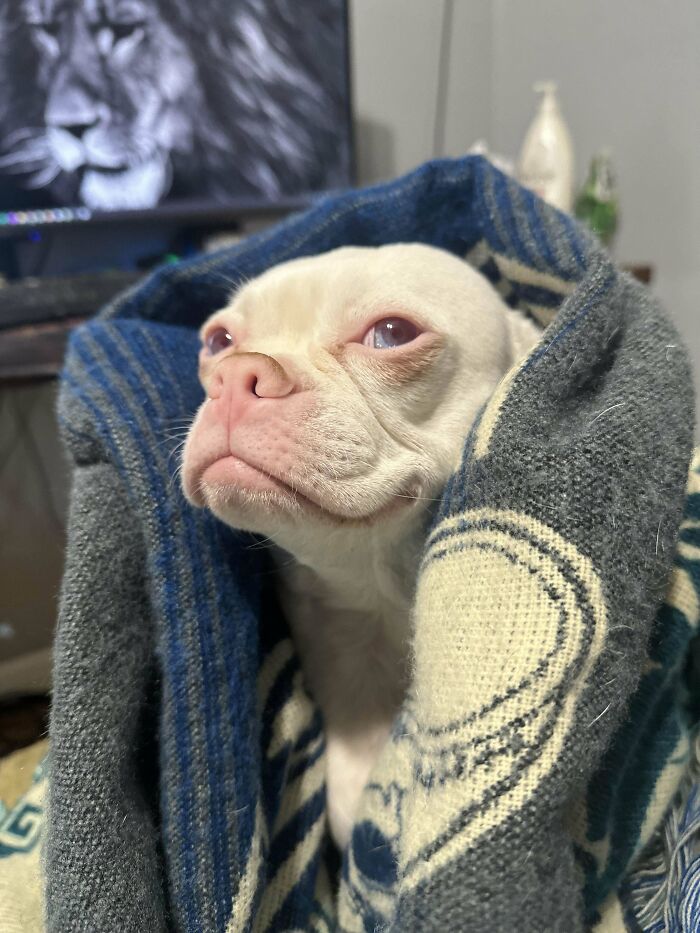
<point x="252" y="384"/>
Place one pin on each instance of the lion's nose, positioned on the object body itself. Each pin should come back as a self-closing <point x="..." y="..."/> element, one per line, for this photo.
<point x="78" y="129"/>
<point x="70" y="106"/>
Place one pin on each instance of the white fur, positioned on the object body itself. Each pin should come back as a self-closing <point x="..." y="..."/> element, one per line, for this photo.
<point x="347" y="448"/>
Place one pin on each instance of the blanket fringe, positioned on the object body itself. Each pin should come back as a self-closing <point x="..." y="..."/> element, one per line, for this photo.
<point x="663" y="894"/>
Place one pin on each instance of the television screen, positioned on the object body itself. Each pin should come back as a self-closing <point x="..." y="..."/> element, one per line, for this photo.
<point x="122" y="105"/>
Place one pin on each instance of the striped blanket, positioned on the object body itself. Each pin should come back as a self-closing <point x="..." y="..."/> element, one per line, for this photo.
<point x="549" y="724"/>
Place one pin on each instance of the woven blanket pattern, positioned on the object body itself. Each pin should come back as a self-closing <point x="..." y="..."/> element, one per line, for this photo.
<point x="547" y="727"/>
<point x="23" y="783"/>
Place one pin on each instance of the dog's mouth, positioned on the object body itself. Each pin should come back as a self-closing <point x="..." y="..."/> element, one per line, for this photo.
<point x="231" y="481"/>
<point x="231" y="475"/>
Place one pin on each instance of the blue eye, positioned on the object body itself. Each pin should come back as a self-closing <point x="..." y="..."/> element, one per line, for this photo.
<point x="218" y="340"/>
<point x="389" y="333"/>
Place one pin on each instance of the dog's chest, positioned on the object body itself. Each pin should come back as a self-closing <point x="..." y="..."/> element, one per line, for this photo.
<point x="355" y="662"/>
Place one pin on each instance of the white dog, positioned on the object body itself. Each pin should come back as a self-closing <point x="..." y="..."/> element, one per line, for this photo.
<point x="340" y="389"/>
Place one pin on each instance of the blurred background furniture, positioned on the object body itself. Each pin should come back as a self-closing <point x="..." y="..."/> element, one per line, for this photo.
<point x="100" y="182"/>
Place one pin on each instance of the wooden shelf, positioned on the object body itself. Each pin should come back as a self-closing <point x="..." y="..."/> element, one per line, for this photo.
<point x="35" y="351"/>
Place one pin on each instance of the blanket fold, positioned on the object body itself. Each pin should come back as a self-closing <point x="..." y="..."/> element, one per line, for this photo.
<point x="104" y="648"/>
<point x="548" y="724"/>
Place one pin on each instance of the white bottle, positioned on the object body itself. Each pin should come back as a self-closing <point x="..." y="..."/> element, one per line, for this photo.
<point x="546" y="163"/>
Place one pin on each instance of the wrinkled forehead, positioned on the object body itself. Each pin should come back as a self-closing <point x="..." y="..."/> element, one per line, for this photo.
<point x="329" y="295"/>
<point x="288" y="299"/>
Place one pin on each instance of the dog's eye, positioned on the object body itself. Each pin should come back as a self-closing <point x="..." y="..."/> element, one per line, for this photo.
<point x="218" y="340"/>
<point x="390" y="332"/>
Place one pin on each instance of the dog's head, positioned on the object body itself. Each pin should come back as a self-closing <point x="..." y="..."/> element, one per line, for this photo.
<point x="340" y="388"/>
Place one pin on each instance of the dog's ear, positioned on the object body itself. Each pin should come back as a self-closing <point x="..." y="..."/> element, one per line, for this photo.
<point x="523" y="335"/>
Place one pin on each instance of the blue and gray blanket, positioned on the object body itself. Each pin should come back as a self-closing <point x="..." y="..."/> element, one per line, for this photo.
<point x="546" y="744"/>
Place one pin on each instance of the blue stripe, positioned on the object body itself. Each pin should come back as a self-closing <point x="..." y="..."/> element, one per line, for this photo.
<point x="538" y="232"/>
<point x="136" y="377"/>
<point x="503" y="189"/>
<point x="295" y="910"/>
<point x="575" y="239"/>
<point x="176" y="660"/>
<point x="294" y="830"/>
<point x="536" y="295"/>
<point x="592" y="302"/>
<point x="220" y="760"/>
<point x="175" y="656"/>
<point x="274" y="771"/>
<point x="304" y="764"/>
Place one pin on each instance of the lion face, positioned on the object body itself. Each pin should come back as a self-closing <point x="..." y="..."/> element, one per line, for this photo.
<point x="117" y="104"/>
<point x="113" y="77"/>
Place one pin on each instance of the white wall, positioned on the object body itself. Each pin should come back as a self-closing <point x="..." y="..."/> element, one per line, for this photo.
<point x="395" y="58"/>
<point x="629" y="77"/>
<point x="398" y="72"/>
<point x="629" y="74"/>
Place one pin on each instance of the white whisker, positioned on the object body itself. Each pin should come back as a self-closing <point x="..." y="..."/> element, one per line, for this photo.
<point x="604" y="412"/>
<point x="600" y="715"/>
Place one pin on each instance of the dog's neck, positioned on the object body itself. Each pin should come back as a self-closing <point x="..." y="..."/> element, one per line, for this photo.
<point x="347" y="596"/>
<point x="359" y="568"/>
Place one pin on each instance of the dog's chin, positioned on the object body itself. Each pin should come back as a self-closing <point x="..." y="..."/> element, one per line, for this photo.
<point x="259" y="512"/>
<point x="248" y="499"/>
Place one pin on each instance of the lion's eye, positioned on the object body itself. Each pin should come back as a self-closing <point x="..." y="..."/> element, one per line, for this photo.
<point x="46" y="35"/>
<point x="218" y="340"/>
<point x="113" y="37"/>
<point x="51" y="28"/>
<point x="390" y="332"/>
<point x="124" y="30"/>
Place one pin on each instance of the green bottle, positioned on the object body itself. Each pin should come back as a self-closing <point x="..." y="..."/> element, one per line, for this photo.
<point x="596" y="204"/>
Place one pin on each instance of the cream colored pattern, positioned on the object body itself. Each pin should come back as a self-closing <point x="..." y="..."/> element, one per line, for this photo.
<point x="288" y="874"/>
<point x="576" y="824"/>
<point x="694" y="475"/>
<point x="296" y="794"/>
<point x="611" y="917"/>
<point x="289" y="723"/>
<point x="479" y="254"/>
<point x="683" y="596"/>
<point x="492" y="412"/>
<point x="682" y="593"/>
<point x="687" y="550"/>
<point x="248" y="887"/>
<point x="517" y="272"/>
<point x="667" y="784"/>
<point x="21" y="881"/>
<point x="299" y="791"/>
<point x="280" y="655"/>
<point x="512" y="271"/>
<point x="381" y="804"/>
<point x="295" y="716"/>
<point x="486" y="619"/>
<point x="325" y="899"/>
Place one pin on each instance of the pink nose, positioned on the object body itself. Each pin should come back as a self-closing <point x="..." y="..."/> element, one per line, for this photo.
<point x="248" y="375"/>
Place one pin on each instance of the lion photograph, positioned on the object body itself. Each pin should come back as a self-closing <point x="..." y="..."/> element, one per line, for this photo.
<point x="125" y="104"/>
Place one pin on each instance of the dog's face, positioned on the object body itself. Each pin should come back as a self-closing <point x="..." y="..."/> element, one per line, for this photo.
<point x="340" y="388"/>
